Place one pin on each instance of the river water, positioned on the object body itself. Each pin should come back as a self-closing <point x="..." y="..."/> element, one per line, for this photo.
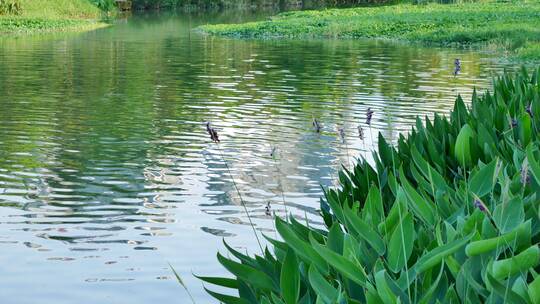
<point x="107" y="174"/>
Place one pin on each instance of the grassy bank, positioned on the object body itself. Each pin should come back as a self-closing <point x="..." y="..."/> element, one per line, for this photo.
<point x="508" y="27"/>
<point x="51" y="15"/>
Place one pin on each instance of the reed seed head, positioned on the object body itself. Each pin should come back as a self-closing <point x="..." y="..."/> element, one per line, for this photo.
<point x="317" y="125"/>
<point x="369" y="116"/>
<point x="528" y="109"/>
<point x="212" y="132"/>
<point x="360" y="132"/>
<point x="457" y="66"/>
<point x="480" y="205"/>
<point x="341" y="132"/>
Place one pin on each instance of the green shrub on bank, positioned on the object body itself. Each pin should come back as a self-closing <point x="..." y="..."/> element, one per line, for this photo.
<point x="104" y="5"/>
<point x="10" y="7"/>
<point x="448" y="215"/>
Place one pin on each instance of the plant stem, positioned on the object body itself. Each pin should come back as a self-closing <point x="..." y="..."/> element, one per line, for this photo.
<point x="240" y="196"/>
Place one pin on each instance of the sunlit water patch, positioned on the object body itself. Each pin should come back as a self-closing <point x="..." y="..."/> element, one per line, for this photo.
<point x="107" y="173"/>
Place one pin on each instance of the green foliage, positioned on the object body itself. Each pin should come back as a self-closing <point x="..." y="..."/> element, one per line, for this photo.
<point x="50" y="15"/>
<point x="104" y="5"/>
<point x="420" y="225"/>
<point x="10" y="7"/>
<point x="501" y="26"/>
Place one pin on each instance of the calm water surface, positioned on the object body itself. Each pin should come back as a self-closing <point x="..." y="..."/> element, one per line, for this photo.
<point x="106" y="171"/>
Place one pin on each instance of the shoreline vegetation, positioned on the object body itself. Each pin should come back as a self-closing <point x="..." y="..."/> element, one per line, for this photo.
<point x="448" y="215"/>
<point x="32" y="16"/>
<point x="510" y="28"/>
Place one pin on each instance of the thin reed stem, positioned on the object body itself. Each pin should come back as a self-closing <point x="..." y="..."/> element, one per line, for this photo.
<point x="179" y="279"/>
<point x="280" y="186"/>
<point x="240" y="196"/>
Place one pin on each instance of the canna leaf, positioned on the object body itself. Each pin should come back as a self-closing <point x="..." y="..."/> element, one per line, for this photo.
<point x="322" y="288"/>
<point x="290" y="278"/>
<point x="364" y="231"/>
<point x="301" y="247"/>
<point x="520" y="263"/>
<point x="249" y="274"/>
<point x="401" y="244"/>
<point x="436" y="255"/>
<point x="343" y="265"/>
<point x="482" y="182"/>
<point x="423" y="209"/>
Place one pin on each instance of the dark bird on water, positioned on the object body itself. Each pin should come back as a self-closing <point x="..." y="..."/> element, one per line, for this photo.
<point x="212" y="132"/>
<point x="316" y="125"/>
<point x="457" y="67"/>
<point x="369" y="116"/>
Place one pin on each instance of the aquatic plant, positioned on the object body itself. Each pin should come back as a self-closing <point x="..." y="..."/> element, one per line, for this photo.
<point x="447" y="215"/>
<point x="508" y="26"/>
<point x="104" y="5"/>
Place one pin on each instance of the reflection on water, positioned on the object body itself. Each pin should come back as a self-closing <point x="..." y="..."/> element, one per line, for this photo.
<point x="107" y="173"/>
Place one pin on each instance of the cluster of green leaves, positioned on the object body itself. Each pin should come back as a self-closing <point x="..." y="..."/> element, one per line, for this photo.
<point x="448" y="215"/>
<point x="105" y="5"/>
<point x="25" y="25"/>
<point x="502" y="26"/>
<point x="10" y="7"/>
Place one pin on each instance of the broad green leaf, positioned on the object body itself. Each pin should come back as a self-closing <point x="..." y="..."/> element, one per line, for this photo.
<point x="520" y="263"/>
<point x="535" y="166"/>
<point x="373" y="207"/>
<point x="364" y="231"/>
<point x="462" y="148"/>
<point x="429" y="172"/>
<point x="427" y="295"/>
<point x="401" y="244"/>
<point x="249" y="274"/>
<point x="509" y="215"/>
<point x="392" y="219"/>
<point x="225" y="282"/>
<point x="500" y="242"/>
<point x="335" y="239"/>
<point x="290" y="278"/>
<point x="384" y="290"/>
<point x="436" y="255"/>
<point x="417" y="203"/>
<point x="482" y="182"/>
<point x="343" y="265"/>
<point x="504" y="291"/>
<point x="301" y="247"/>
<point x="323" y="289"/>
<point x="525" y="129"/>
<point x="534" y="290"/>
<point x="226" y="299"/>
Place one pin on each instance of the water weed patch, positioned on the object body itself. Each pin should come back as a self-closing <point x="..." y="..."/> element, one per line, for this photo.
<point x="507" y="26"/>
